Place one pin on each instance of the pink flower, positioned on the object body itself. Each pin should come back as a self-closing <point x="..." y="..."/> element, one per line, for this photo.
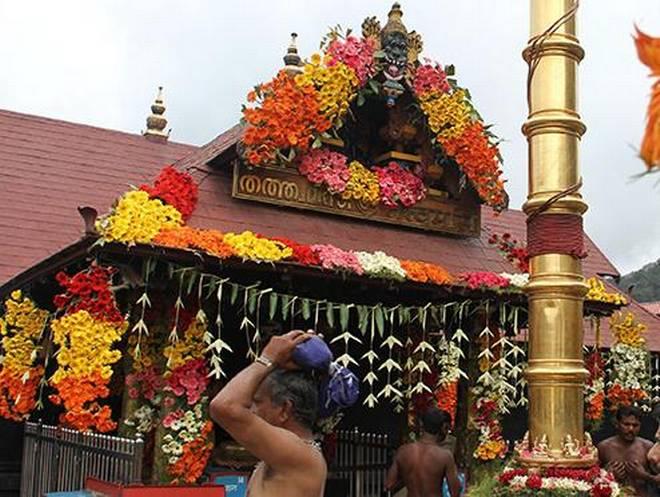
<point x="399" y="186"/>
<point x="358" y="54"/>
<point x="332" y="257"/>
<point x="430" y="77"/>
<point x="325" y="167"/>
<point x="172" y="417"/>
<point x="190" y="379"/>
<point x="133" y="393"/>
<point x="168" y="401"/>
<point x="484" y="279"/>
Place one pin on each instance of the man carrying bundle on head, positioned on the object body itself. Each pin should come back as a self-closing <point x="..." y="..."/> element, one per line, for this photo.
<point x="270" y="409"/>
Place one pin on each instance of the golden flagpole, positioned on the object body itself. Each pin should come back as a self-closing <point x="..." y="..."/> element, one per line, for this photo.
<point x="554" y="211"/>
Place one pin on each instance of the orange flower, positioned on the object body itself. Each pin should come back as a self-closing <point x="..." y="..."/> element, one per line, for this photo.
<point x="185" y="237"/>
<point x="191" y="464"/>
<point x="286" y="115"/>
<point x="78" y="396"/>
<point x="594" y="410"/>
<point x="425" y="272"/>
<point x="480" y="160"/>
<point x="619" y="396"/>
<point x="648" y="51"/>
<point x="415" y="271"/>
<point x="447" y="397"/>
<point x="17" y="397"/>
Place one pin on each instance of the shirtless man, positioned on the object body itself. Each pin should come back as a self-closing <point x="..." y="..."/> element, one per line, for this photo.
<point x="269" y="408"/>
<point x="625" y="453"/>
<point x="423" y="465"/>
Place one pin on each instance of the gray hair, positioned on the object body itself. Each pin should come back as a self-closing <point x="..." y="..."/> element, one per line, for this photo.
<point x="298" y="387"/>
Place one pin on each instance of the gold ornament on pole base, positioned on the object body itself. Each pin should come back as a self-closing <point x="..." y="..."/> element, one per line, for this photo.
<point x="573" y="454"/>
<point x="556" y="289"/>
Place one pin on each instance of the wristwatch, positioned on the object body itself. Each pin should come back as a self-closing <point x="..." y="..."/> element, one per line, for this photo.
<point x="264" y="361"/>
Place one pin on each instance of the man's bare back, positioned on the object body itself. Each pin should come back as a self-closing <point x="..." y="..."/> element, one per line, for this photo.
<point x="306" y="480"/>
<point x="422" y="467"/>
<point x="618" y="456"/>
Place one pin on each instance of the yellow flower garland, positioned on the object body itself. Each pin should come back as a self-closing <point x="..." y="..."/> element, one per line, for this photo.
<point x="627" y="330"/>
<point x="85" y="345"/>
<point x="248" y="246"/>
<point x="362" y="185"/>
<point x="597" y="292"/>
<point x="448" y="114"/>
<point x="189" y="348"/>
<point x="336" y="86"/>
<point x="138" y="219"/>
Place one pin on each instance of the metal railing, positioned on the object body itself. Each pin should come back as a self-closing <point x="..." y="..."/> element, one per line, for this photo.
<point x="362" y="459"/>
<point x="59" y="459"/>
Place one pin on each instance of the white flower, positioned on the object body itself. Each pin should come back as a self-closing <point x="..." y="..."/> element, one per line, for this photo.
<point x="516" y="279"/>
<point x="381" y="265"/>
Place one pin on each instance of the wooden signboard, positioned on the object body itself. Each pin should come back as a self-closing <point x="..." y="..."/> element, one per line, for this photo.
<point x="286" y="187"/>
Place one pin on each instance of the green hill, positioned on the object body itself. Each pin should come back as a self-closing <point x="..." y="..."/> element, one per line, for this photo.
<point x="646" y="282"/>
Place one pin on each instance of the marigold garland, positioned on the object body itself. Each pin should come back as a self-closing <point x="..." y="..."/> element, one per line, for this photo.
<point x="288" y="109"/>
<point x="253" y="247"/>
<point x="598" y="292"/>
<point x="286" y="115"/>
<point x="479" y="159"/>
<point x="362" y="185"/>
<point x="187" y="442"/>
<point x="185" y="237"/>
<point x="335" y="85"/>
<point x="137" y="219"/>
<point x="21" y="328"/>
<point x="630" y="362"/>
<point x="85" y="335"/>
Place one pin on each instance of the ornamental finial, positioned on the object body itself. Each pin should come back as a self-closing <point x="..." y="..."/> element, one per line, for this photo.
<point x="394" y="22"/>
<point x="292" y="61"/>
<point x="156" y="122"/>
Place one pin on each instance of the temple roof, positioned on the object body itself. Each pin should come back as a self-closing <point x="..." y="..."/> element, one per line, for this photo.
<point x="49" y="167"/>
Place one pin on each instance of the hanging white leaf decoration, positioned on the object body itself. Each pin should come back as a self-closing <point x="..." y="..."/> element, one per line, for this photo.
<point x="346" y="359"/>
<point x="424" y="346"/>
<point x="370" y="401"/>
<point x="370" y="378"/>
<point x="422" y="367"/>
<point x="390" y="364"/>
<point x="370" y="355"/>
<point x="391" y="342"/>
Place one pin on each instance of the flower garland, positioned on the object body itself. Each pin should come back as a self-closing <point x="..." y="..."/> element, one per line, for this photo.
<point x="174" y="188"/>
<point x="381" y="265"/>
<point x="489" y="403"/>
<point x="398" y="186"/>
<point x="332" y="257"/>
<point x="479" y="159"/>
<point x="362" y="185"/>
<point x="391" y="185"/>
<point x="137" y="219"/>
<point x="85" y="334"/>
<point x="484" y="279"/>
<point x="185" y="237"/>
<point x="598" y="292"/>
<point x="594" y="394"/>
<point x="547" y="482"/>
<point x="323" y="167"/>
<point x="187" y="442"/>
<point x="630" y="362"/>
<point x="257" y="248"/>
<point x="21" y="329"/>
<point x="291" y="113"/>
<point x="285" y="115"/>
<point x="449" y="355"/>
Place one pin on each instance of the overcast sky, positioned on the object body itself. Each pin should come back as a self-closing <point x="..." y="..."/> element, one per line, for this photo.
<point x="99" y="62"/>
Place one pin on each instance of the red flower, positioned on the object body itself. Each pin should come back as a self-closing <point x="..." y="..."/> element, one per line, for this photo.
<point x="534" y="481"/>
<point x="175" y="188"/>
<point x="601" y="490"/>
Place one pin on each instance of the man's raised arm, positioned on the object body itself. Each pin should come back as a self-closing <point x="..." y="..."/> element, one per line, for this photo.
<point x="232" y="406"/>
